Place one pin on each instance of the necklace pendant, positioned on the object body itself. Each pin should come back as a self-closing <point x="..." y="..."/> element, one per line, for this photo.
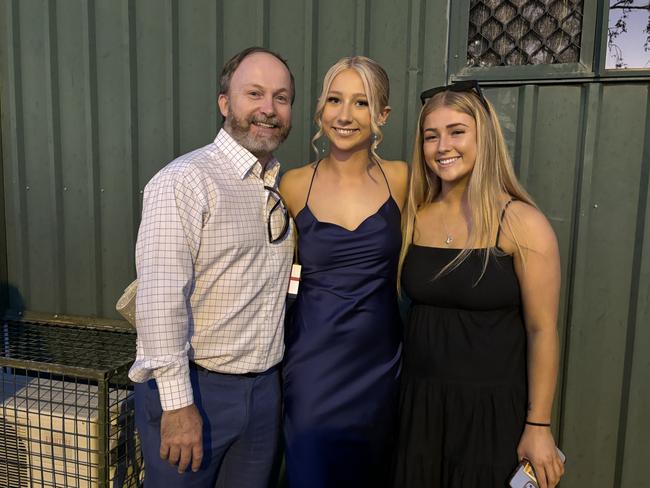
<point x="449" y="239"/>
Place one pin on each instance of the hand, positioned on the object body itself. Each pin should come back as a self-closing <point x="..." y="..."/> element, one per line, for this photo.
<point x="181" y="437"/>
<point x="537" y="445"/>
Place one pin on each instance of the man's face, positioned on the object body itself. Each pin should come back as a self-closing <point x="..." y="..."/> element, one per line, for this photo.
<point x="257" y="107"/>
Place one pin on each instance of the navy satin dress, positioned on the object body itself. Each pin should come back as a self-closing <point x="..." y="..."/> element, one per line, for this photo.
<point x="342" y="360"/>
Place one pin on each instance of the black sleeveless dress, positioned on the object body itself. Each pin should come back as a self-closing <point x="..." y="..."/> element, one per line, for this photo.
<point x="342" y="359"/>
<point x="463" y="397"/>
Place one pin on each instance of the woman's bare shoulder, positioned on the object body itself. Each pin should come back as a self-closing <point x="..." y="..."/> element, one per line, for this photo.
<point x="525" y="215"/>
<point x="397" y="167"/>
<point x="295" y="184"/>
<point x="530" y="226"/>
<point x="295" y="175"/>
<point x="397" y="173"/>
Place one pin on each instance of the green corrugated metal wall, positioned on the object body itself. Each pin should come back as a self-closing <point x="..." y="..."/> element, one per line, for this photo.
<point x="98" y="95"/>
<point x="584" y="153"/>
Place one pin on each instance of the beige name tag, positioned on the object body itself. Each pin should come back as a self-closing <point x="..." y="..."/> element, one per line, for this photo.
<point x="294" y="280"/>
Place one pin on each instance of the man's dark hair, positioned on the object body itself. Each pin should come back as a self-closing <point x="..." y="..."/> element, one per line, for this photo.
<point x="233" y="63"/>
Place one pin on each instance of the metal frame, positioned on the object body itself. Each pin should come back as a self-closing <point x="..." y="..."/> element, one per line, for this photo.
<point x="458" y="30"/>
<point x="35" y="348"/>
<point x="97" y="323"/>
<point x="601" y="59"/>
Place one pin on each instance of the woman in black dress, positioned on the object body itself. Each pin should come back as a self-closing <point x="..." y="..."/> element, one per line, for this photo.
<point x="480" y="264"/>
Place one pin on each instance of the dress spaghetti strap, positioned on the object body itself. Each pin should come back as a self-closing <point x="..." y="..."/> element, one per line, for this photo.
<point x="311" y="183"/>
<point x="503" y="213"/>
<point x="390" y="194"/>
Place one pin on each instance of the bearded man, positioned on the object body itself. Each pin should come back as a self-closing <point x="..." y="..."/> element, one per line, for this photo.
<point x="213" y="259"/>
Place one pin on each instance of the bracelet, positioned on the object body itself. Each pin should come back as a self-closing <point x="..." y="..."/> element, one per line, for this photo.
<point x="538" y="424"/>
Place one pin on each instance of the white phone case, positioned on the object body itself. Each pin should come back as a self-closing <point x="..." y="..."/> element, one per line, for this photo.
<point x="524" y="476"/>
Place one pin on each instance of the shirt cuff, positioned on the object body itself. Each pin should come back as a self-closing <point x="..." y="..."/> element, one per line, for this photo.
<point x="175" y="390"/>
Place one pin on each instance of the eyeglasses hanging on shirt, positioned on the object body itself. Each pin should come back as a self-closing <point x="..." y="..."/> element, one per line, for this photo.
<point x="277" y="222"/>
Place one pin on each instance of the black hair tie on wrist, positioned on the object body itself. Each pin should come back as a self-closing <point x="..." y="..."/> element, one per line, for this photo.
<point x="537" y="424"/>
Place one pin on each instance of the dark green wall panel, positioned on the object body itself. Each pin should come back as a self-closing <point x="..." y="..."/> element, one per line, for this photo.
<point x="13" y="157"/>
<point x="157" y="74"/>
<point x="506" y="103"/>
<point x="292" y="31"/>
<point x="602" y="288"/>
<point x="197" y="73"/>
<point x="388" y="29"/>
<point x="636" y="400"/>
<point x="554" y="135"/>
<point x="79" y="283"/>
<point x="114" y="61"/>
<point x="244" y="24"/>
<point x="97" y="96"/>
<point x="41" y="164"/>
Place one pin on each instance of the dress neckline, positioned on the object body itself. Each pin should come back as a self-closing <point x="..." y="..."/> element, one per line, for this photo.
<point x="502" y="254"/>
<point x="334" y="224"/>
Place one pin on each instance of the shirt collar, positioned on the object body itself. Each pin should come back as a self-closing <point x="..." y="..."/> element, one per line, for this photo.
<point x="243" y="160"/>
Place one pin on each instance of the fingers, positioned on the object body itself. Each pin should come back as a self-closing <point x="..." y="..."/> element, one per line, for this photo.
<point x="197" y="456"/>
<point x="557" y="470"/>
<point x="182" y="455"/>
<point x="174" y="455"/>
<point x="540" y="474"/>
<point x="184" y="458"/>
<point x="164" y="449"/>
<point x="548" y="474"/>
<point x="181" y="439"/>
<point x="554" y="471"/>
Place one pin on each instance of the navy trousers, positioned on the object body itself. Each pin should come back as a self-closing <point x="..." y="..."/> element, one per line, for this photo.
<point x="241" y="431"/>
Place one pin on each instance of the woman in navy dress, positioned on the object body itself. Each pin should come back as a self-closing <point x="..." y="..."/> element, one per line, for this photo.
<point x="343" y="338"/>
<point x="481" y="266"/>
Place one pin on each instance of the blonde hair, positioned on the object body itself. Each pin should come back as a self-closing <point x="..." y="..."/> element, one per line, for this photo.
<point x="377" y="88"/>
<point x="493" y="175"/>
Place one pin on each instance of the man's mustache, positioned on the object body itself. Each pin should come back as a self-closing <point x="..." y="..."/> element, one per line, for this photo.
<point x="274" y="121"/>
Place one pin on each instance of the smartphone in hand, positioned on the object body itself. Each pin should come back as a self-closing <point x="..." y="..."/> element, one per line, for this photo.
<point x="524" y="475"/>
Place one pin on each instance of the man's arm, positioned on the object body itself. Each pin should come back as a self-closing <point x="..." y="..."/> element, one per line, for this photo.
<point x="168" y="243"/>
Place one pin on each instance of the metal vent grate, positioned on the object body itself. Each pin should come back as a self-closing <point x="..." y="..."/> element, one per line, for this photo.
<point x="520" y="32"/>
<point x="14" y="465"/>
<point x="66" y="348"/>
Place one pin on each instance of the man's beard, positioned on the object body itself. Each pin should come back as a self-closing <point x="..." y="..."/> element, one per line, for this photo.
<point x="239" y="129"/>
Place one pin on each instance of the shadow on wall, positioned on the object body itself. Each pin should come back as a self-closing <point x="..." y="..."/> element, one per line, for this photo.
<point x="12" y="303"/>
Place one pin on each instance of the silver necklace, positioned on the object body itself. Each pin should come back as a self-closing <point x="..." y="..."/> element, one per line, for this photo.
<point x="449" y="238"/>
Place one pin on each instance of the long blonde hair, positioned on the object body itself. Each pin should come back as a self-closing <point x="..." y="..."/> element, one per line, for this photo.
<point x="377" y="88"/>
<point x="493" y="175"/>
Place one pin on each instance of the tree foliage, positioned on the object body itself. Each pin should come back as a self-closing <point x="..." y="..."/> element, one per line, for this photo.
<point x="626" y="7"/>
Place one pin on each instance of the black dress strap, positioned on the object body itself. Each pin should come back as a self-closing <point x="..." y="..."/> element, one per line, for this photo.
<point x="385" y="178"/>
<point x="503" y="213"/>
<point x="313" y="175"/>
<point x="415" y="217"/>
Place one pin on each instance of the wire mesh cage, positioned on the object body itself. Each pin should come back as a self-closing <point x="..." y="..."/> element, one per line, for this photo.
<point x="67" y="416"/>
<point x="520" y="32"/>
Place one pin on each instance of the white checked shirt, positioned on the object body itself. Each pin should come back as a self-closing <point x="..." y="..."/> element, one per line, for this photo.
<point x="211" y="288"/>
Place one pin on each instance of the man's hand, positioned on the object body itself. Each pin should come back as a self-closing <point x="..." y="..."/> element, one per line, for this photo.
<point x="181" y="437"/>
